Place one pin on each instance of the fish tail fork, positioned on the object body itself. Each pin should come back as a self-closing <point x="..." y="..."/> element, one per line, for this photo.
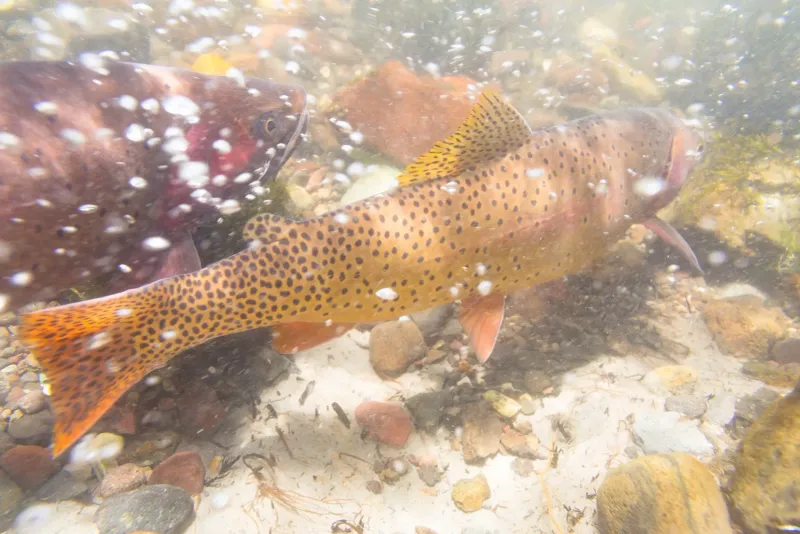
<point x="89" y="352"/>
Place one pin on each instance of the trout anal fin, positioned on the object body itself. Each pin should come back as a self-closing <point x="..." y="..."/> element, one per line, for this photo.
<point x="482" y="318"/>
<point x="492" y="130"/>
<point x="289" y="338"/>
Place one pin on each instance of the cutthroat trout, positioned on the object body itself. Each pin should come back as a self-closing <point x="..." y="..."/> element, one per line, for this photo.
<point x="107" y="167"/>
<point x="491" y="209"/>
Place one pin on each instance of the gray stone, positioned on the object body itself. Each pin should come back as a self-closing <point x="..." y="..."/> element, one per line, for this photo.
<point x="657" y="432"/>
<point x="750" y="407"/>
<point x="428" y="408"/>
<point x="4" y="388"/>
<point x="431" y="321"/>
<point x="10" y="501"/>
<point x="787" y="351"/>
<point x="4" y="363"/>
<point x="6" y="442"/>
<point x="34" y="429"/>
<point x="159" y="508"/>
<point x="536" y="382"/>
<point x="721" y="408"/>
<point x="63" y="486"/>
<point x="688" y="405"/>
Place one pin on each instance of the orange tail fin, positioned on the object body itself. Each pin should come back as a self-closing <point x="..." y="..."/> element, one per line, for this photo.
<point x="92" y="352"/>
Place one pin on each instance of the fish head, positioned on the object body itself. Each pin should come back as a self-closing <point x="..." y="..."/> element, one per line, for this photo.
<point x="247" y="129"/>
<point x="683" y="150"/>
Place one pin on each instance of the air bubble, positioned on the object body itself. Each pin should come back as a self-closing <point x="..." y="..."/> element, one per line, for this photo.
<point x="229" y="207"/>
<point x="71" y="135"/>
<point x="485" y="287"/>
<point x="137" y="182"/>
<point x="649" y="186"/>
<point x="87" y="208"/>
<point x="534" y="173"/>
<point x="47" y="108"/>
<point x="21" y="279"/>
<point x="135" y="133"/>
<point x="717" y="257"/>
<point x="386" y="293"/>
<point x="341" y="218"/>
<point x="180" y="105"/>
<point x="156" y="243"/>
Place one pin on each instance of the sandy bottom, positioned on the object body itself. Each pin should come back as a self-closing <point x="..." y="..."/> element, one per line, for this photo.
<point x="597" y="398"/>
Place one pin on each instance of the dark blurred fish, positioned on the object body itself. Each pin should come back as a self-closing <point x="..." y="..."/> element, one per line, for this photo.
<point x="107" y="166"/>
<point x="492" y="209"/>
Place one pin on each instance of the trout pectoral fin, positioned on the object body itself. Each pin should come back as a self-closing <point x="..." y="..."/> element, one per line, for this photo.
<point x="671" y="236"/>
<point x="289" y="338"/>
<point x="482" y="318"/>
<point x="182" y="258"/>
<point x="492" y="130"/>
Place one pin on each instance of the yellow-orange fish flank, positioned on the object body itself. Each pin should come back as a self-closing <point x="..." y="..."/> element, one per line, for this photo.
<point x="493" y="208"/>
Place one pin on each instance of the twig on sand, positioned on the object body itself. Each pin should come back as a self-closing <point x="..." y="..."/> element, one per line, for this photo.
<point x="546" y="490"/>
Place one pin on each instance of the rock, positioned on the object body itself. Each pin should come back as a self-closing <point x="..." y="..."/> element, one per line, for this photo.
<point x="395" y="345"/>
<point x="199" y="410"/>
<point x="522" y="467"/>
<point x="384" y="422"/>
<point x="6" y="442"/>
<point x="750" y="407"/>
<point x="375" y="180"/>
<point x="184" y="470"/>
<point x="787" y="351"/>
<point x="469" y="493"/>
<point x="423" y="530"/>
<point x="625" y="78"/>
<point x="125" y="477"/>
<point x="401" y="114"/>
<point x="29" y="465"/>
<point x="671" y="379"/>
<point x="33" y="429"/>
<point x="520" y="445"/>
<point x="430" y="322"/>
<point x="482" y="432"/>
<point x="300" y="201"/>
<point x="743" y="327"/>
<point x="721" y="408"/>
<point x="661" y="494"/>
<point x="527" y="404"/>
<point x="779" y="376"/>
<point x="505" y="406"/>
<point x="688" y="405"/>
<point x="765" y="489"/>
<point x="536" y="382"/>
<point x="10" y="501"/>
<point x="162" y="509"/>
<point x="62" y="487"/>
<point x="429" y="473"/>
<point x="427" y="408"/>
<point x="32" y="402"/>
<point x="658" y="432"/>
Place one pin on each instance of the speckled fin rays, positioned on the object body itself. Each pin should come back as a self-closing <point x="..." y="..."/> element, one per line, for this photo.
<point x="492" y="130"/>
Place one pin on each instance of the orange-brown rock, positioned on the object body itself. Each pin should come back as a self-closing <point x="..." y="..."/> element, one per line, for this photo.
<point x="402" y="114"/>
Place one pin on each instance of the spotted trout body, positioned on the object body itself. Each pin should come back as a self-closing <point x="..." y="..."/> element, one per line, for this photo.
<point x="492" y="209"/>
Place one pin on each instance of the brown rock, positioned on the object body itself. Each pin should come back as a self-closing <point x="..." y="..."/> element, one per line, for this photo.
<point x="126" y="477"/>
<point x="199" y="409"/>
<point x="519" y="445"/>
<point x="384" y="422"/>
<point x="661" y="494"/>
<point x="32" y="402"/>
<point x="743" y="327"/>
<point x="28" y="465"/>
<point x="184" y="470"/>
<point x="393" y="346"/>
<point x="402" y="114"/>
<point x="469" y="493"/>
<point x="765" y="490"/>
<point x="482" y="431"/>
<point x="779" y="376"/>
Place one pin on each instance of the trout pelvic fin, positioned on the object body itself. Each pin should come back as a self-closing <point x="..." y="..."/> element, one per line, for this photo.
<point x="482" y="318"/>
<point x="88" y="353"/>
<point x="289" y="338"/>
<point x="492" y="130"/>
<point x="672" y="237"/>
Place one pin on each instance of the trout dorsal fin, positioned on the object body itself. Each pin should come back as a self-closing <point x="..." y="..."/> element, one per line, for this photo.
<point x="492" y="130"/>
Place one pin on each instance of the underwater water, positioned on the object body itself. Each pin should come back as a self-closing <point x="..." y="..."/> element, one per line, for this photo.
<point x="387" y="267"/>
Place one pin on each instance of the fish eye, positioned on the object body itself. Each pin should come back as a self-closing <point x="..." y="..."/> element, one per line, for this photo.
<point x="265" y="126"/>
